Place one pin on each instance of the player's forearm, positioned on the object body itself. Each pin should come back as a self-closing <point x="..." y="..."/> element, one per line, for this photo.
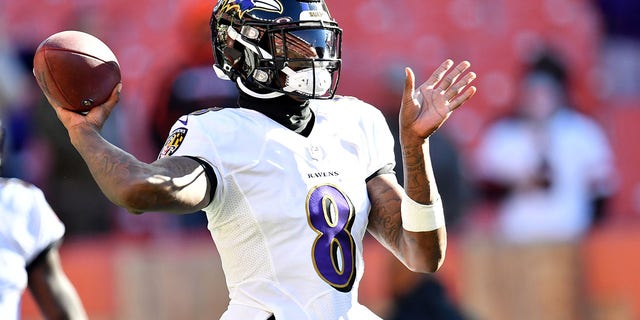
<point x="130" y="183"/>
<point x="419" y="251"/>
<point x="419" y="180"/>
<point x="425" y="251"/>
<point x="114" y="170"/>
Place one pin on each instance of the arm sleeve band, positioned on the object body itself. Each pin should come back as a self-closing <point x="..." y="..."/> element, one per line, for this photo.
<point x="418" y="217"/>
<point x="211" y="176"/>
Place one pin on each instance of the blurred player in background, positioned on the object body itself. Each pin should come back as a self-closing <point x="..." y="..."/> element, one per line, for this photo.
<point x="30" y="235"/>
<point x="551" y="164"/>
<point x="292" y="177"/>
<point x="549" y="171"/>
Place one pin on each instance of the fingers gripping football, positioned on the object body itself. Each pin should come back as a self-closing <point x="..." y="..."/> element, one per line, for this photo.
<point x="96" y="117"/>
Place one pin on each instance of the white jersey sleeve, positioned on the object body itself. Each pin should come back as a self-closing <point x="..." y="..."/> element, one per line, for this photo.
<point x="28" y="226"/>
<point x="380" y="141"/>
<point x="188" y="137"/>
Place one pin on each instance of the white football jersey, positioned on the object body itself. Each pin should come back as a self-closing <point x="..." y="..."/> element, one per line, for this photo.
<point x="28" y="225"/>
<point x="290" y="212"/>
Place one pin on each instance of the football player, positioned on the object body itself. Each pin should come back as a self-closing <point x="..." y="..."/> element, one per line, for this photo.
<point x="293" y="176"/>
<point x="30" y="235"/>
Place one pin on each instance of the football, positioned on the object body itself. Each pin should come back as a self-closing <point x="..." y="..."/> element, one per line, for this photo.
<point x="76" y="69"/>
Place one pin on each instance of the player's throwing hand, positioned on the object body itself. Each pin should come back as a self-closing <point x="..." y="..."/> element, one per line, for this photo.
<point x="95" y="117"/>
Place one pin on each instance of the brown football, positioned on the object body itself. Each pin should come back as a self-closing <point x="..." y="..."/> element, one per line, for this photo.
<point x="76" y="69"/>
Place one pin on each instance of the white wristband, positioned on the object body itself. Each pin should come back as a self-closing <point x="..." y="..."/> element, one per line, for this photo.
<point x="418" y="217"/>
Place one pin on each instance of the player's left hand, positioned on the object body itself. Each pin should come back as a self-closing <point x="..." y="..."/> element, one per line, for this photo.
<point x="426" y="109"/>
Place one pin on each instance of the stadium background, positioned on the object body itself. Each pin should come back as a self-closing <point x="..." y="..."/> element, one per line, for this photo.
<point x="149" y="267"/>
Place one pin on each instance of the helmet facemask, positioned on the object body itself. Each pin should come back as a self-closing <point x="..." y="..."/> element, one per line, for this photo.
<point x="271" y="58"/>
<point x="308" y="58"/>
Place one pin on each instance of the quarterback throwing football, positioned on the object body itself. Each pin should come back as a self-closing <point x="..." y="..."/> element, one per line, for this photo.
<point x="293" y="176"/>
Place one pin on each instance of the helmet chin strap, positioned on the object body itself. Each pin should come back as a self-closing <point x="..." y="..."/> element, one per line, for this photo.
<point x="254" y="94"/>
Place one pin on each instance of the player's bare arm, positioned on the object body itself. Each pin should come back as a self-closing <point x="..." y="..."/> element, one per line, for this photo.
<point x="421" y="114"/>
<point x="173" y="184"/>
<point x="51" y="289"/>
<point x="420" y="252"/>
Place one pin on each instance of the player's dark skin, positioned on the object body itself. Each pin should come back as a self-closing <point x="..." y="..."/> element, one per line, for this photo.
<point x="50" y="288"/>
<point x="180" y="185"/>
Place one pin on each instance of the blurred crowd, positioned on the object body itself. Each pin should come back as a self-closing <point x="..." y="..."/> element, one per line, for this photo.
<point x="533" y="167"/>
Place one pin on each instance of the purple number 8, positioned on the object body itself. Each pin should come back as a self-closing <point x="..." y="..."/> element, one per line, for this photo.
<point x="331" y="216"/>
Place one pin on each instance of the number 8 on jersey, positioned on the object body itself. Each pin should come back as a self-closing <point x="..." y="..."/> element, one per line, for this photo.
<point x="331" y="215"/>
